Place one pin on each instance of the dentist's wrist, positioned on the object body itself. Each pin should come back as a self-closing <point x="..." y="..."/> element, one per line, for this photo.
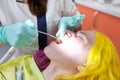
<point x="3" y="39"/>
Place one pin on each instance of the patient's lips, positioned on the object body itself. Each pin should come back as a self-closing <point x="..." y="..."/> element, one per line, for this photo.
<point x="58" y="41"/>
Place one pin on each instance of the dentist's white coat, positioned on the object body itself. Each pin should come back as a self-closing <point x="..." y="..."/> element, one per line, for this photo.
<point x="56" y="9"/>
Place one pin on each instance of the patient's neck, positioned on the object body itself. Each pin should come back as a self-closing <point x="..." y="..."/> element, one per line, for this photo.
<point x="54" y="69"/>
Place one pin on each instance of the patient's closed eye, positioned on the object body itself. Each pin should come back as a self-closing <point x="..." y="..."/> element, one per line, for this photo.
<point x="79" y="37"/>
<point x="82" y="36"/>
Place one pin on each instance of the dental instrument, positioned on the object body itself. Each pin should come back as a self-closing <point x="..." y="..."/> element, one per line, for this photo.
<point x="47" y="34"/>
<point x="57" y="40"/>
<point x="7" y="55"/>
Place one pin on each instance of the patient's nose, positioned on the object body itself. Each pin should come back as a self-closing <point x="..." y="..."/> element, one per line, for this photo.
<point x="70" y="34"/>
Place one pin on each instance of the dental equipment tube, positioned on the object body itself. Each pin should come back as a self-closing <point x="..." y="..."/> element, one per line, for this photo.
<point x="47" y="34"/>
<point x="19" y="73"/>
<point x="9" y="53"/>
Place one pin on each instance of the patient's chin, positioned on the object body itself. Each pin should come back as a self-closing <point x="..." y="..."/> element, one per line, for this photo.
<point x="48" y="49"/>
<point x="45" y="49"/>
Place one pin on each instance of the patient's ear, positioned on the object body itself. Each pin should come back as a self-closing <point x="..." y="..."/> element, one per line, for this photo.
<point x="80" y="67"/>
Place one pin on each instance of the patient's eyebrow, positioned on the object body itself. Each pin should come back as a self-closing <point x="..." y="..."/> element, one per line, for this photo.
<point x="20" y="1"/>
<point x="81" y="32"/>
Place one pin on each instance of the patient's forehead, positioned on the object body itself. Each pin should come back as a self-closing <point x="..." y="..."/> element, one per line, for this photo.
<point x="91" y="34"/>
<point x="87" y="31"/>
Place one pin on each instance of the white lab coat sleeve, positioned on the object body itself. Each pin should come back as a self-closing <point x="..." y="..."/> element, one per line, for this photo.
<point x="3" y="19"/>
<point x="16" y="12"/>
<point x="70" y="8"/>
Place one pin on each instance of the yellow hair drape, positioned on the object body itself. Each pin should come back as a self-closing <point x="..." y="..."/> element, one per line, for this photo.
<point x="102" y="62"/>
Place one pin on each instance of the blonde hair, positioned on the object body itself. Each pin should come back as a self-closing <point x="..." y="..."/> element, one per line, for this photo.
<point x="102" y="62"/>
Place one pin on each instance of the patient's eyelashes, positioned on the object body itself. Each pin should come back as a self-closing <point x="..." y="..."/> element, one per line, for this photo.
<point x="82" y="36"/>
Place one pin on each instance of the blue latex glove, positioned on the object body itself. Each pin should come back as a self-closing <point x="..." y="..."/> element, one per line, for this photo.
<point x="18" y="35"/>
<point x="70" y="23"/>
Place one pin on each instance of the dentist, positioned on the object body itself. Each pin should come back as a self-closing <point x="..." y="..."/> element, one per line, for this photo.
<point x="18" y="35"/>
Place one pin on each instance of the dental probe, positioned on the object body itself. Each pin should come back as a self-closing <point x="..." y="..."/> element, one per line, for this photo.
<point x="47" y="34"/>
<point x="57" y="40"/>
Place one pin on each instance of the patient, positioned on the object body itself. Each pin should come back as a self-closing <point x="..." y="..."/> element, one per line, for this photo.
<point x="85" y="55"/>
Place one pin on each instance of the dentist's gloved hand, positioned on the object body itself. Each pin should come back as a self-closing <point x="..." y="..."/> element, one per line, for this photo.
<point x="70" y="23"/>
<point x="18" y="35"/>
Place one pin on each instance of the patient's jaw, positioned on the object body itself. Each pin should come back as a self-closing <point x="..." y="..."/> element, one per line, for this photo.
<point x="73" y="49"/>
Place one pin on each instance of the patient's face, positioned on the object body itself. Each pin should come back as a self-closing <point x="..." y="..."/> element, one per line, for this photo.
<point x="73" y="49"/>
